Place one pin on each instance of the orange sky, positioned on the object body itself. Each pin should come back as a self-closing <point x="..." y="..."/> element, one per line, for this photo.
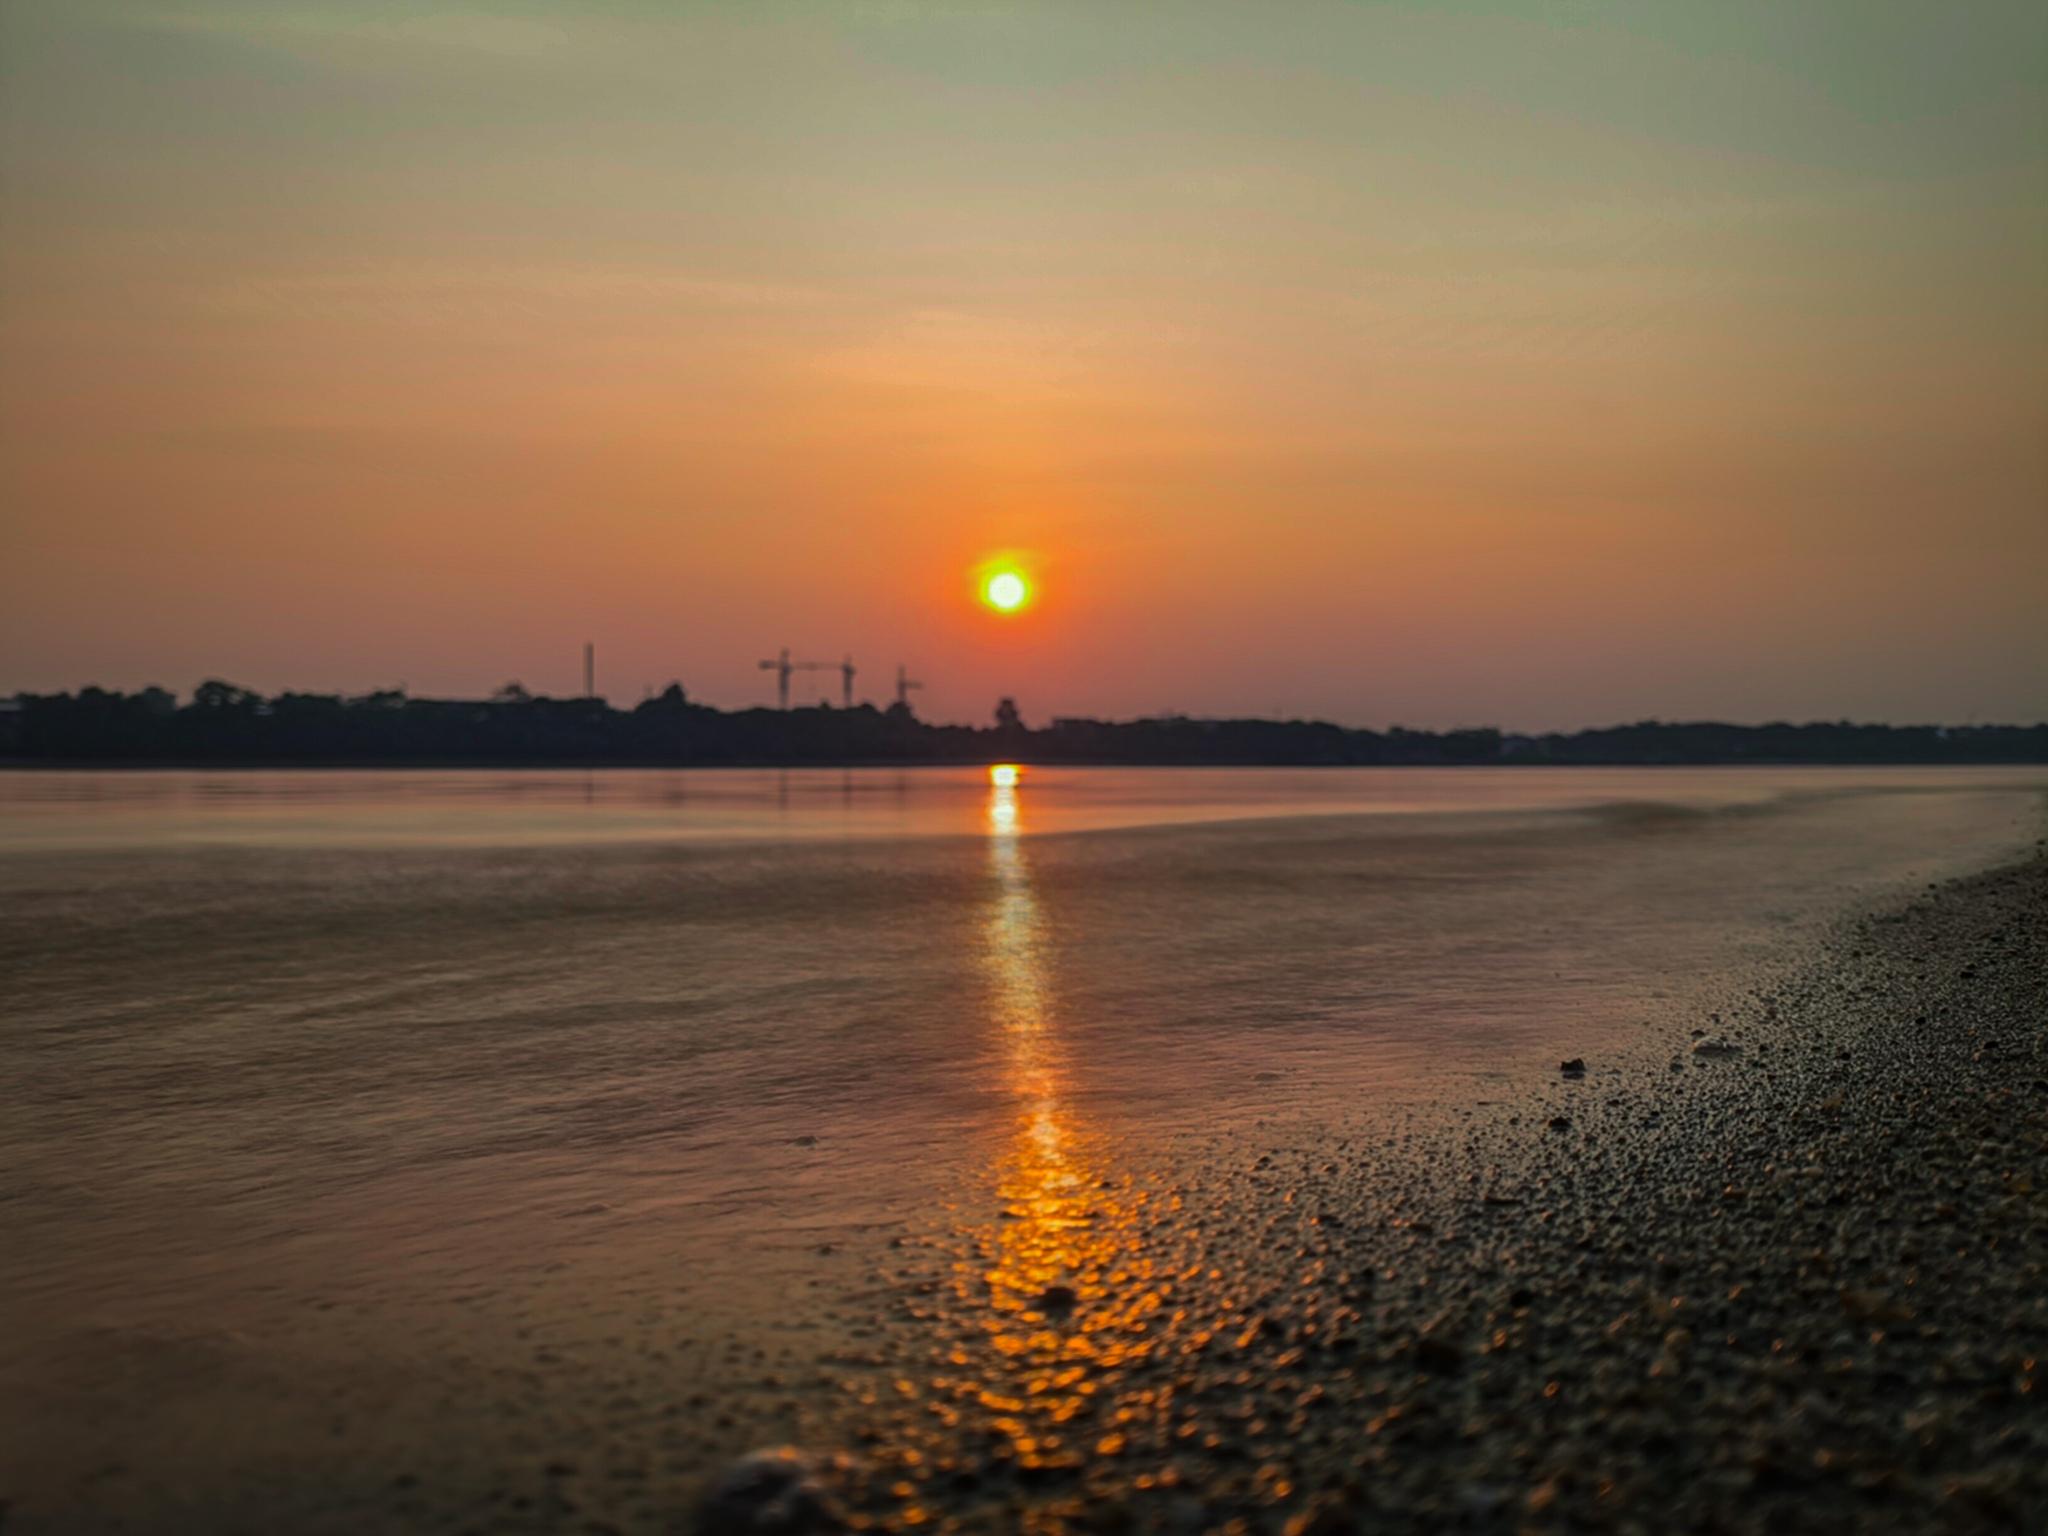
<point x="1539" y="365"/>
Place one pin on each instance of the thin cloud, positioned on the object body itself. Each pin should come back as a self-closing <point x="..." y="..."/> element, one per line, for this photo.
<point x="461" y="31"/>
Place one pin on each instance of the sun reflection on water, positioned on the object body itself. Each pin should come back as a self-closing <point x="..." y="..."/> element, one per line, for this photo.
<point x="1060" y="1280"/>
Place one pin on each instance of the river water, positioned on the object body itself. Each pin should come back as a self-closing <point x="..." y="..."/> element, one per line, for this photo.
<point x="414" y="1068"/>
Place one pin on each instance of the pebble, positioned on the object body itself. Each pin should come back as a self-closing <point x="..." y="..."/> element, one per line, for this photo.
<point x="775" y="1492"/>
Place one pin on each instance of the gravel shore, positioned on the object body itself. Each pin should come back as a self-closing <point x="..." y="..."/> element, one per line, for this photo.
<point x="1792" y="1283"/>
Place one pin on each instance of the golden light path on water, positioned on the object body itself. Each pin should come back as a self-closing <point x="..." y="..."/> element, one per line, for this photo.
<point x="1062" y="1283"/>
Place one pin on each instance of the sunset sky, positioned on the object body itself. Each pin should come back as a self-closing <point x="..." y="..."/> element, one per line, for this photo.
<point x="1543" y="364"/>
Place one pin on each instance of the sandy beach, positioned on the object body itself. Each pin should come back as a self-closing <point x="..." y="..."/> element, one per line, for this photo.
<point x="1796" y="1283"/>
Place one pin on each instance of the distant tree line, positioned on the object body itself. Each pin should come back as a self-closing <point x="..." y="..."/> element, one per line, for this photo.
<point x="226" y="725"/>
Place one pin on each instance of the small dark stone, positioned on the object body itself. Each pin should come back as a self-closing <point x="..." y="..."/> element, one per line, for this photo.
<point x="1560" y="1122"/>
<point x="770" y="1491"/>
<point x="1438" y="1355"/>
<point x="1057" y="1298"/>
<point x="1576" y="1067"/>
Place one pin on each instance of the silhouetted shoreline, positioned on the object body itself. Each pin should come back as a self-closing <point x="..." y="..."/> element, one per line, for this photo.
<point x="225" y="726"/>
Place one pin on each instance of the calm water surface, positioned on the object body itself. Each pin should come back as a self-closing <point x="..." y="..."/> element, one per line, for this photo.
<point x="390" y="1042"/>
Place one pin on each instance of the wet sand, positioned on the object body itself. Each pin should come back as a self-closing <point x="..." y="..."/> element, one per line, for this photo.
<point x="1796" y="1286"/>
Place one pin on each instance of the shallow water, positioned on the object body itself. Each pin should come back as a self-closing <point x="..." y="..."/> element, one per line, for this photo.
<point x="389" y="1043"/>
<point x="306" y="809"/>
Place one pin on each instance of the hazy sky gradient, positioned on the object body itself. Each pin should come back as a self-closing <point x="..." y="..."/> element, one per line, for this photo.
<point x="1536" y="364"/>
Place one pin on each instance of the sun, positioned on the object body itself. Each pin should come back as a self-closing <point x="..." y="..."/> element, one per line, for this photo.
<point x="1006" y="591"/>
<point x="1006" y="582"/>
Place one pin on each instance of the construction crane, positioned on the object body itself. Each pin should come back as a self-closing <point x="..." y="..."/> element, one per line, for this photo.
<point x="846" y="671"/>
<point x="904" y="685"/>
<point x="782" y="666"/>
